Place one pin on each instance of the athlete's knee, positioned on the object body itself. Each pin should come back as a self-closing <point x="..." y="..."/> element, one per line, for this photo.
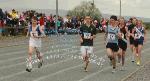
<point x="87" y="61"/>
<point x="30" y="53"/>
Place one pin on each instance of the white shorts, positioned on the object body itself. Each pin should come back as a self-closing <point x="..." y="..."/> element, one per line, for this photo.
<point x="35" y="42"/>
<point x="86" y="50"/>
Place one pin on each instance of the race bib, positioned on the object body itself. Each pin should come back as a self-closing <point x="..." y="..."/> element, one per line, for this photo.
<point x="137" y="36"/>
<point x="34" y="34"/>
<point x="111" y="36"/>
<point x="87" y="35"/>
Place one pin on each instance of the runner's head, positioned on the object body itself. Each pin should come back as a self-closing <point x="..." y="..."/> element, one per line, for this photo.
<point x="117" y="23"/>
<point x="34" y="21"/>
<point x="88" y="20"/>
<point x="113" y="20"/>
<point x="134" y="21"/>
<point x="130" y="20"/>
<point x="122" y="22"/>
<point x="139" y="23"/>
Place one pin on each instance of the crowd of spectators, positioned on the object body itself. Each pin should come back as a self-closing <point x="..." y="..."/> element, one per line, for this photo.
<point x="15" y="23"/>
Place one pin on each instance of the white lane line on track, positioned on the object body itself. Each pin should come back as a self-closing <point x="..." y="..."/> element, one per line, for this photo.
<point x="41" y="78"/>
<point x="60" y="71"/>
<point x="15" y="74"/>
<point x="20" y="63"/>
<point x="93" y="74"/>
<point x="23" y="62"/>
<point x="26" y="50"/>
<point x="16" y="59"/>
<point x="11" y="53"/>
<point x="26" y="56"/>
<point x="25" y="71"/>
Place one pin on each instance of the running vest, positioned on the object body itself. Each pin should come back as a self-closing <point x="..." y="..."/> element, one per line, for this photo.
<point x="35" y="33"/>
<point x="112" y="34"/>
<point x="123" y="32"/>
<point x="86" y="33"/>
<point x="139" y="33"/>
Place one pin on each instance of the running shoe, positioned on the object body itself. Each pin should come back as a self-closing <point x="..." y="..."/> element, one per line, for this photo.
<point x="29" y="67"/>
<point x="85" y="69"/>
<point x="138" y="62"/>
<point x="113" y="70"/>
<point x="40" y="64"/>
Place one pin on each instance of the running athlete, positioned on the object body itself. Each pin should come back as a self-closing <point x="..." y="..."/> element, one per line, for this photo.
<point x="122" y="42"/>
<point x="131" y="39"/>
<point x="139" y="35"/>
<point x="87" y="34"/>
<point x="113" y="33"/>
<point x="36" y="33"/>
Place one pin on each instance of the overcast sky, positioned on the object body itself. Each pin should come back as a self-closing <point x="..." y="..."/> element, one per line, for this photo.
<point x="140" y="8"/>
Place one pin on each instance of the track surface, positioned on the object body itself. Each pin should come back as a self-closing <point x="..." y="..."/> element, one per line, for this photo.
<point x="62" y="61"/>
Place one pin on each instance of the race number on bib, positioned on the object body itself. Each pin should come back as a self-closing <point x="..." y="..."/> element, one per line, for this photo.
<point x="87" y="35"/>
<point x="137" y="36"/>
<point x="111" y="36"/>
<point x="34" y="34"/>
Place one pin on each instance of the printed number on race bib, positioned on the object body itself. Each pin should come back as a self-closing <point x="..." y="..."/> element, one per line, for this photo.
<point x="87" y="35"/>
<point x="137" y="36"/>
<point x="34" y="34"/>
<point x="111" y="36"/>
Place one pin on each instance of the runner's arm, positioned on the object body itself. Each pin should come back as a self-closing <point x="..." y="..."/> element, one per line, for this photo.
<point x="42" y="33"/>
<point x="80" y="34"/>
<point x="119" y="34"/>
<point x="145" y="35"/>
<point x="94" y="34"/>
<point x="132" y="34"/>
<point x="127" y="33"/>
<point x="27" y="33"/>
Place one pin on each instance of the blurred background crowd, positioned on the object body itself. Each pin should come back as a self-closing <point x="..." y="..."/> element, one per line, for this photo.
<point x="14" y="23"/>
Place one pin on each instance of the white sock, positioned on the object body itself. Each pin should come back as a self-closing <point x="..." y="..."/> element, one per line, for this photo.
<point x="133" y="58"/>
<point x="29" y="65"/>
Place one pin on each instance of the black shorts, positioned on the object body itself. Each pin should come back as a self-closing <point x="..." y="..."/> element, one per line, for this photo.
<point x="138" y="42"/>
<point x="113" y="46"/>
<point x="122" y="44"/>
<point x="131" y="40"/>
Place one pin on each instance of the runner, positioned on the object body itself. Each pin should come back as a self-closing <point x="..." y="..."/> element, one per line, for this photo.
<point x="122" y="42"/>
<point x="112" y="48"/>
<point x="139" y="34"/>
<point x="131" y="39"/>
<point x="87" y="34"/>
<point x="36" y="33"/>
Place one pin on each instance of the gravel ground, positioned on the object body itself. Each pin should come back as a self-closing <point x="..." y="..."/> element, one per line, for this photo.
<point x="143" y="74"/>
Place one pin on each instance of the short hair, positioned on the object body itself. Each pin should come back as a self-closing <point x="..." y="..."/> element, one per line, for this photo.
<point x="131" y="19"/>
<point x="87" y="17"/>
<point x="113" y="17"/>
<point x="35" y="18"/>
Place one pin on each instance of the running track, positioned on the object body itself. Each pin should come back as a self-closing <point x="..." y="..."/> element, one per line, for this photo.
<point x="68" y="68"/>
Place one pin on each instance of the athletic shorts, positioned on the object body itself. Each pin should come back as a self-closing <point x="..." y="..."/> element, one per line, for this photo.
<point x="138" y="42"/>
<point x="33" y="42"/>
<point x="131" y="39"/>
<point x="122" y="45"/>
<point x="86" y="50"/>
<point x="113" y="46"/>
